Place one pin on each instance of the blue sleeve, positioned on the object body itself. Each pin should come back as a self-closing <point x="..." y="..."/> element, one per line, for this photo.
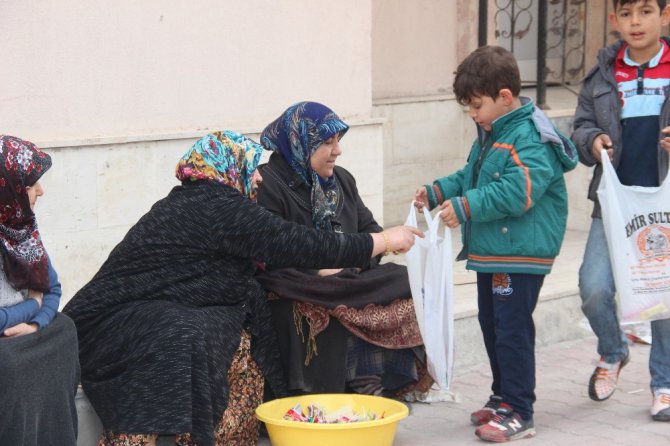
<point x="50" y="300"/>
<point x="21" y="312"/>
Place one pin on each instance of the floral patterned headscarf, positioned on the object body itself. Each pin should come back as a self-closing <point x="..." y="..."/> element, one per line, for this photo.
<point x="297" y="134"/>
<point x="226" y="157"/>
<point x="23" y="255"/>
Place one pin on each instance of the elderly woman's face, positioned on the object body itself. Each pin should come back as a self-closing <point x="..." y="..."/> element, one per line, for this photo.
<point x="33" y="192"/>
<point x="256" y="179"/>
<point x="323" y="159"/>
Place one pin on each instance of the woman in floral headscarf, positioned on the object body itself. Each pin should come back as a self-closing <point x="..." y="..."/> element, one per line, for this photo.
<point x="351" y="329"/>
<point x="174" y="332"/>
<point x="39" y="370"/>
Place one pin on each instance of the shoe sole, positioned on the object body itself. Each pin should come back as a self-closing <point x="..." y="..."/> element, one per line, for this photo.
<point x="528" y="433"/>
<point x="592" y="386"/>
<point x="661" y="417"/>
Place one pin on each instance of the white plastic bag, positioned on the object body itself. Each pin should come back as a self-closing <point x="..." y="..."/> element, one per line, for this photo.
<point x="430" y="270"/>
<point x="637" y="225"/>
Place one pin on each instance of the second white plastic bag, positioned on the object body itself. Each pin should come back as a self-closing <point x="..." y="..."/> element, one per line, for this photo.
<point x="430" y="270"/>
<point x="637" y="225"/>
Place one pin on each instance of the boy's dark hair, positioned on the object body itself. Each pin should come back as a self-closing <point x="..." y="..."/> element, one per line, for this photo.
<point x="485" y="72"/>
<point x="661" y="3"/>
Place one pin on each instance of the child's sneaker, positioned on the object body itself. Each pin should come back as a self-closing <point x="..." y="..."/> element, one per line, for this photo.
<point x="506" y="425"/>
<point x="604" y="379"/>
<point x="484" y="415"/>
<point x="660" y="409"/>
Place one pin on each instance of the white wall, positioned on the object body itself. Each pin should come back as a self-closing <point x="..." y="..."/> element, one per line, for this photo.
<point x="423" y="140"/>
<point x="116" y="91"/>
<point x="413" y="47"/>
<point x="75" y="69"/>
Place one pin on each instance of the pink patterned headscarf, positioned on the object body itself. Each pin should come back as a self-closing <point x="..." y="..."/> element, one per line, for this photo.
<point x="23" y="255"/>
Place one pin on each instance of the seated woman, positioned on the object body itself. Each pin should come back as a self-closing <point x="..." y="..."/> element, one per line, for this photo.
<point x="174" y="333"/>
<point x="364" y="317"/>
<point x="39" y="367"/>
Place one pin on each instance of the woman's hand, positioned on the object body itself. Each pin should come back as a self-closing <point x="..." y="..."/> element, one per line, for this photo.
<point x="398" y="239"/>
<point x="402" y="237"/>
<point x="328" y="272"/>
<point x="20" y="330"/>
<point x="37" y="295"/>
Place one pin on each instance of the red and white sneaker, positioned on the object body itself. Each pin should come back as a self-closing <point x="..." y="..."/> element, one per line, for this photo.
<point x="484" y="415"/>
<point x="604" y="379"/>
<point x="660" y="409"/>
<point x="506" y="425"/>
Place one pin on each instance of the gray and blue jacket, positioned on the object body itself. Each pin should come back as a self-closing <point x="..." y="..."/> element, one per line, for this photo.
<point x="598" y="111"/>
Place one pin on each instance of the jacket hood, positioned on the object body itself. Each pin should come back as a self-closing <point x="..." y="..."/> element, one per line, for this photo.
<point x="562" y="145"/>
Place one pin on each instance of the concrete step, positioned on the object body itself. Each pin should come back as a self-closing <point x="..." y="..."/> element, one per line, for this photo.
<point x="557" y="319"/>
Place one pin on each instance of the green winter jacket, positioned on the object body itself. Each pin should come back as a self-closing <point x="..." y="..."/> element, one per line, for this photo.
<point x="511" y="197"/>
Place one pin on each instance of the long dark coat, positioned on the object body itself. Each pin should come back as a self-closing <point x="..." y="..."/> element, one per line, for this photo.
<point x="159" y="323"/>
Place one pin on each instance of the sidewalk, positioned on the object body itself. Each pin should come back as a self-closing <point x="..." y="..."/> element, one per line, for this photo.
<point x="564" y="414"/>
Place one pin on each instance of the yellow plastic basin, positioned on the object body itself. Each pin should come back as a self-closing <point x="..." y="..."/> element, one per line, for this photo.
<point x="365" y="433"/>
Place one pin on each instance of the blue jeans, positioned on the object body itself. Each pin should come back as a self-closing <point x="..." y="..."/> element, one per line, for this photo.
<point x="597" y="290"/>
<point x="506" y="305"/>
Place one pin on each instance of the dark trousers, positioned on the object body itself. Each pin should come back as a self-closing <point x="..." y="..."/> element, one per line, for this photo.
<point x="506" y="305"/>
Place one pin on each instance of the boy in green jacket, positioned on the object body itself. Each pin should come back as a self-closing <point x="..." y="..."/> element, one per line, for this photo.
<point x="511" y="201"/>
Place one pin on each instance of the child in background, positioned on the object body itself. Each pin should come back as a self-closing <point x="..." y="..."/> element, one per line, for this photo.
<point x="622" y="108"/>
<point x="511" y="201"/>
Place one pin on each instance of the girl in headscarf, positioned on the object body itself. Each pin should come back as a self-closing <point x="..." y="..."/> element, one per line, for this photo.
<point x="39" y="370"/>
<point x="359" y="324"/>
<point x="174" y="332"/>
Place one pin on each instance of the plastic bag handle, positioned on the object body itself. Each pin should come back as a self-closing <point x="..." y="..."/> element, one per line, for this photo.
<point x="411" y="216"/>
<point x="607" y="164"/>
<point x="433" y="226"/>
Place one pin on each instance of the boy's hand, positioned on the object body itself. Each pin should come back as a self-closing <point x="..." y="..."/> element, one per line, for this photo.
<point x="601" y="142"/>
<point x="448" y="215"/>
<point x="420" y="198"/>
<point x="665" y="142"/>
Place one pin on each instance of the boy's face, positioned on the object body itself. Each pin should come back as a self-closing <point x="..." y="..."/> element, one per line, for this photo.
<point x="640" y="25"/>
<point x="484" y="110"/>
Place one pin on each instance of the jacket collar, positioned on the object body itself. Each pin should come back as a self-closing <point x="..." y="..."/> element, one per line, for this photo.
<point x="522" y="112"/>
<point x="608" y="55"/>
